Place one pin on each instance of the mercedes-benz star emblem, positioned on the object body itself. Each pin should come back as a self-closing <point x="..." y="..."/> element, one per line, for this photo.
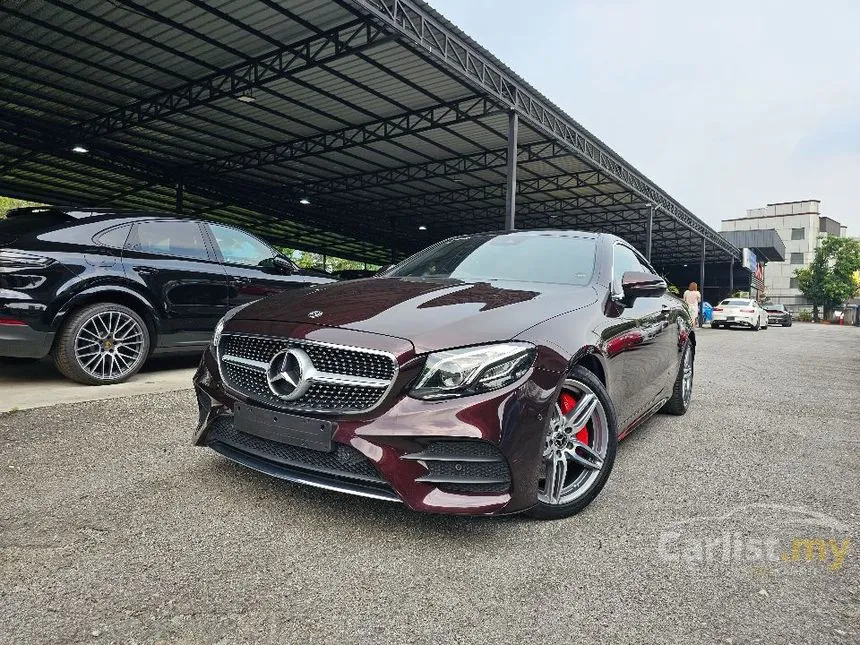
<point x="316" y="313"/>
<point x="288" y="373"/>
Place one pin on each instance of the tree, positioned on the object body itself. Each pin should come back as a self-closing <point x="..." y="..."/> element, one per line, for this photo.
<point x="830" y="279"/>
<point x="308" y="260"/>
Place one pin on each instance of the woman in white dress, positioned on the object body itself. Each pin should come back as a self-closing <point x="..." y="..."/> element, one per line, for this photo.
<point x="693" y="297"/>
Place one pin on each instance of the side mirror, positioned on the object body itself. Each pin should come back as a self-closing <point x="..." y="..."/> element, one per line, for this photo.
<point x="284" y="264"/>
<point x="637" y="284"/>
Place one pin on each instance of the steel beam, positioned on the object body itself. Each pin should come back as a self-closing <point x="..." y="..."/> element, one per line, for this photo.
<point x="412" y="21"/>
<point x="421" y="120"/>
<point x="261" y="198"/>
<point x="452" y="202"/>
<point x="450" y="168"/>
<point x="239" y="78"/>
<point x="649" y="232"/>
<point x="180" y="189"/>
<point x="732" y="277"/>
<point x="511" y="174"/>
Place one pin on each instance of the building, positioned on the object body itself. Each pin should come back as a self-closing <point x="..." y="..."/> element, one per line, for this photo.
<point x="800" y="225"/>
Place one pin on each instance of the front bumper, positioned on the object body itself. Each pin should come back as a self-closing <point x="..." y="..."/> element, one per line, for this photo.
<point x="22" y="341"/>
<point x="476" y="455"/>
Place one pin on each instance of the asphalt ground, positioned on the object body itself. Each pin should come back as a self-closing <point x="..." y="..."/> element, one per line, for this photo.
<point x="115" y="529"/>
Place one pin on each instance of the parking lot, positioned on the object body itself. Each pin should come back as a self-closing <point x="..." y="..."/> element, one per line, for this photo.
<point x="115" y="529"/>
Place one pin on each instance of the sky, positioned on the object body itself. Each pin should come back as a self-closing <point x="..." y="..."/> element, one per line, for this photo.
<point x="726" y="106"/>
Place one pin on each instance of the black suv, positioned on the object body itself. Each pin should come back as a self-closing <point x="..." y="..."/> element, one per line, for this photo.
<point x="777" y="315"/>
<point x="103" y="290"/>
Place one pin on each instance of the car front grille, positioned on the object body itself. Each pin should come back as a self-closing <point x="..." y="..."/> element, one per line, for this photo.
<point x="343" y="461"/>
<point x="351" y="379"/>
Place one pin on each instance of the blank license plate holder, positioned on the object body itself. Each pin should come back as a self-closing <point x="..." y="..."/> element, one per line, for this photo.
<point x="304" y="432"/>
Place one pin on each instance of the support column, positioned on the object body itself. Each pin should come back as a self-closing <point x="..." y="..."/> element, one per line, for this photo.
<point x="649" y="230"/>
<point x="702" y="278"/>
<point x="180" y="190"/>
<point x="511" y="179"/>
<point x="391" y="225"/>
<point x="732" y="277"/>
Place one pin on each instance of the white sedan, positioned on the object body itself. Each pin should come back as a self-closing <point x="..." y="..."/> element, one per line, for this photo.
<point x="741" y="312"/>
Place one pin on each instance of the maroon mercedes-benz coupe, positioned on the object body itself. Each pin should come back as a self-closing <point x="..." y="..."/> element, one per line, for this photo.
<point x="490" y="373"/>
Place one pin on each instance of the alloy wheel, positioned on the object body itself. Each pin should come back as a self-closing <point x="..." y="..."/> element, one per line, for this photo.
<point x="109" y="345"/>
<point x="687" y="378"/>
<point x="575" y="445"/>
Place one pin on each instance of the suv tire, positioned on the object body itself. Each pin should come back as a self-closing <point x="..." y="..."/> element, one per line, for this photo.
<point x="102" y="344"/>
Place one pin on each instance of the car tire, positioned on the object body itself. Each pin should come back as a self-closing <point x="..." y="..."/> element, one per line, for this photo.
<point x="102" y="344"/>
<point x="679" y="403"/>
<point x="757" y="325"/>
<point x="602" y="429"/>
<point x="715" y="325"/>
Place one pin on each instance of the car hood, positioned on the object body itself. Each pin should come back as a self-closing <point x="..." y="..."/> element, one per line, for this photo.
<point x="431" y="314"/>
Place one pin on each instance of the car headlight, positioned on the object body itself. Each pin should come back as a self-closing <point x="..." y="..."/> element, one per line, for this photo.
<point x="219" y="328"/>
<point x="472" y="370"/>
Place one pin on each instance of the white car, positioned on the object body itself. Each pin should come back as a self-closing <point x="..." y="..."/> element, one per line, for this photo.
<point x="739" y="311"/>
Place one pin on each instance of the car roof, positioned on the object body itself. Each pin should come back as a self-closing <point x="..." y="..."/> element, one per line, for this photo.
<point x="78" y="212"/>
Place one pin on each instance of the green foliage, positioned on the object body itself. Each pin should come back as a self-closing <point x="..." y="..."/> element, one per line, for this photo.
<point x="308" y="260"/>
<point x="8" y="203"/>
<point x="804" y="316"/>
<point x="829" y="280"/>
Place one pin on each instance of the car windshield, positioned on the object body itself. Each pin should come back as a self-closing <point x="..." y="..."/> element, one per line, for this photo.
<point x="521" y="257"/>
<point x="774" y="307"/>
<point x="734" y="302"/>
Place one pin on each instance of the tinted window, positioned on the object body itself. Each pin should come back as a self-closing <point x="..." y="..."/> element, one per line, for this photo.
<point x="734" y="302"/>
<point x="798" y="233"/>
<point x="180" y="239"/>
<point x="521" y="257"/>
<point x="114" y="237"/>
<point x="797" y="258"/>
<point x="623" y="260"/>
<point x="237" y="247"/>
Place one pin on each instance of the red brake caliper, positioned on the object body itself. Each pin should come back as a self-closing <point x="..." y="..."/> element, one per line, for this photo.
<point x="566" y="402"/>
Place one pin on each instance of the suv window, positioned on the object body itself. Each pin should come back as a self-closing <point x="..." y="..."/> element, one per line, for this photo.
<point x="114" y="237"/>
<point x="625" y="259"/>
<point x="180" y="239"/>
<point x="238" y="247"/>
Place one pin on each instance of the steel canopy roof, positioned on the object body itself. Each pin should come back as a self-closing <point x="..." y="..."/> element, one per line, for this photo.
<point x="379" y="113"/>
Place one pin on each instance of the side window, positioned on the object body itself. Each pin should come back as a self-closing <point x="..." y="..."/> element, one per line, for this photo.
<point x="114" y="237"/>
<point x="623" y="260"/>
<point x="179" y="239"/>
<point x="237" y="247"/>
